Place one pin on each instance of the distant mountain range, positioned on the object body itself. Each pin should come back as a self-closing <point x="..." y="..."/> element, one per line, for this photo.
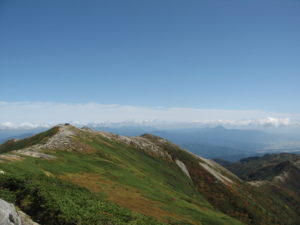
<point x="6" y="134"/>
<point x="69" y="175"/>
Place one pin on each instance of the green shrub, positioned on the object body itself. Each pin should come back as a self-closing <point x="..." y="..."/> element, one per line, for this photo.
<point x="53" y="201"/>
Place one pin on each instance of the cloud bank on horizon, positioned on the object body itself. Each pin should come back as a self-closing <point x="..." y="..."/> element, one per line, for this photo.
<point x="46" y="114"/>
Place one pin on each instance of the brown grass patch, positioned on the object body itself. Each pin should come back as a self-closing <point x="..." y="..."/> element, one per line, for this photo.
<point x="125" y="196"/>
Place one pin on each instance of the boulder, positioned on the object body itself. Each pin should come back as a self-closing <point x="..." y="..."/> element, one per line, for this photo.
<point x="10" y="216"/>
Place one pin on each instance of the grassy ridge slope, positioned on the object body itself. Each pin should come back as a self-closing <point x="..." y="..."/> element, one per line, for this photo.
<point x="143" y="177"/>
<point x="114" y="172"/>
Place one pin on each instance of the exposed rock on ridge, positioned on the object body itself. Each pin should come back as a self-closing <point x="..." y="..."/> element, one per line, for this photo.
<point x="10" y="216"/>
<point x="183" y="168"/>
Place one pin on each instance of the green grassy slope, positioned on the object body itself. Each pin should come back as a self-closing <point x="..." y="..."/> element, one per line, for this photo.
<point x="268" y="204"/>
<point x="53" y="201"/>
<point x="114" y="173"/>
<point x="120" y="183"/>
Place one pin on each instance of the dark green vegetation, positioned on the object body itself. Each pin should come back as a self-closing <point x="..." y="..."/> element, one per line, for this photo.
<point x="125" y="181"/>
<point x="53" y="201"/>
<point x="282" y="169"/>
<point x="263" y="168"/>
<point x="277" y="175"/>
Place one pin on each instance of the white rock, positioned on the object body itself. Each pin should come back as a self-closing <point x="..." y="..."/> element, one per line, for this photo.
<point x="10" y="216"/>
<point x="183" y="167"/>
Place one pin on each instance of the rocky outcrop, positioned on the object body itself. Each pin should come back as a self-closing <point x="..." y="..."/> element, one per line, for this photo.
<point x="219" y="172"/>
<point x="10" y="216"/>
<point x="183" y="168"/>
<point x="144" y="142"/>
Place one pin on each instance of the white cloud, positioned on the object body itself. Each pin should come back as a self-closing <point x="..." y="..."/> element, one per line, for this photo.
<point x="275" y="122"/>
<point x="25" y="126"/>
<point x="263" y="122"/>
<point x="45" y="114"/>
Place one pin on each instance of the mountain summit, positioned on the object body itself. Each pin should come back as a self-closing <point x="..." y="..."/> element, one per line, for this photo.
<point x="70" y="175"/>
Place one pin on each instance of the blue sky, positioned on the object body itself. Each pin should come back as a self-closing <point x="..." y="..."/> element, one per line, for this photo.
<point x="214" y="54"/>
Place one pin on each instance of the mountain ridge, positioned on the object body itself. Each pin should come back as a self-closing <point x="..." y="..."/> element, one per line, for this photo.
<point x="194" y="187"/>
